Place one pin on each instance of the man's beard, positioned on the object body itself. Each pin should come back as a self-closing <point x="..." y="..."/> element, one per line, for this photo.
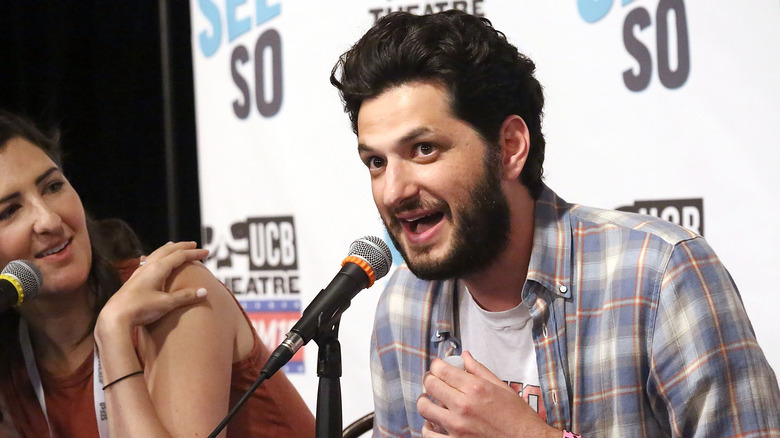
<point x="481" y="230"/>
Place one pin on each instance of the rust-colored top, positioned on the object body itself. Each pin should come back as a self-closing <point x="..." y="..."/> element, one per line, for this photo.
<point x="275" y="410"/>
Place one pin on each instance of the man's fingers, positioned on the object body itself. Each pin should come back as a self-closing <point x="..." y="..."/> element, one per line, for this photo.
<point x="442" y="386"/>
<point x="454" y="376"/>
<point x="430" y="430"/>
<point x="476" y="368"/>
<point x="429" y="410"/>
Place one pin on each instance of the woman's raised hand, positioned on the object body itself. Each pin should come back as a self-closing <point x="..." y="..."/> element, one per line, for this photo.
<point x="144" y="298"/>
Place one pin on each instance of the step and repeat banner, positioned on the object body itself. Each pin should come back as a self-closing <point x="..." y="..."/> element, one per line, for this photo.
<point x="664" y="107"/>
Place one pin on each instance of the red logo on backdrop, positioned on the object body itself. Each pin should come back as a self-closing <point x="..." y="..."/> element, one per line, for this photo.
<point x="272" y="319"/>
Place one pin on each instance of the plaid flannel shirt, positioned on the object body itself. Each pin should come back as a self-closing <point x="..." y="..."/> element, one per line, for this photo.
<point x="638" y="329"/>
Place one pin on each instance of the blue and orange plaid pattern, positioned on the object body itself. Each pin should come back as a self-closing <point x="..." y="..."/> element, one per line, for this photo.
<point x="639" y="331"/>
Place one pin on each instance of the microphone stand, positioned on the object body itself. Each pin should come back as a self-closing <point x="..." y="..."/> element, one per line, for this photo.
<point x="328" y="420"/>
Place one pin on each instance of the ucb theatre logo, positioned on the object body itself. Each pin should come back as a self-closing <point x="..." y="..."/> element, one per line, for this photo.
<point x="473" y="7"/>
<point x="263" y="246"/>
<point x="656" y="38"/>
<point x="257" y="259"/>
<point x="688" y="213"/>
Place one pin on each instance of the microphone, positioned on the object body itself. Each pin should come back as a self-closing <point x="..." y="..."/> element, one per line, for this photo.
<point x="369" y="259"/>
<point x="20" y="281"/>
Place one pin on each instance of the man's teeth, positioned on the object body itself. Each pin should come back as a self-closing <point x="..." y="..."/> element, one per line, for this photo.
<point x="415" y="222"/>
<point x="417" y="218"/>
<point x="56" y="249"/>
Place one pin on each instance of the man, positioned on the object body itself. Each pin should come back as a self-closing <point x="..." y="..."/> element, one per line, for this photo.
<point x="604" y="322"/>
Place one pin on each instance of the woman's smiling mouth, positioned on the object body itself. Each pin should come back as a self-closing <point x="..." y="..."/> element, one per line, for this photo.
<point x="52" y="250"/>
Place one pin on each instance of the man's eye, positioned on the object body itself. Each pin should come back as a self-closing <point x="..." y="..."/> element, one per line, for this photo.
<point x="425" y="149"/>
<point x="375" y="162"/>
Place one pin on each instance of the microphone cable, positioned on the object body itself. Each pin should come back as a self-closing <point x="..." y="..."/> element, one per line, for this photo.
<point x="374" y="259"/>
<point x="239" y="404"/>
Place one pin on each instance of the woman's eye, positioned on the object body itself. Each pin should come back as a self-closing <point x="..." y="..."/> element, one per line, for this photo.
<point x="54" y="186"/>
<point x="8" y="212"/>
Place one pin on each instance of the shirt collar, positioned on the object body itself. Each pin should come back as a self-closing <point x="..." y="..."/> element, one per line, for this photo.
<point x="550" y="263"/>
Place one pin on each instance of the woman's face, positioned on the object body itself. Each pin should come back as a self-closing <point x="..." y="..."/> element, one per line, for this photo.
<point x="41" y="218"/>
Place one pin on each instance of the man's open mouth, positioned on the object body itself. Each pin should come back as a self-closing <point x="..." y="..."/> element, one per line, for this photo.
<point x="423" y="223"/>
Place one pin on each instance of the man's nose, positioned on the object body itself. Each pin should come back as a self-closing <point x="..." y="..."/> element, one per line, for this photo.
<point x="399" y="184"/>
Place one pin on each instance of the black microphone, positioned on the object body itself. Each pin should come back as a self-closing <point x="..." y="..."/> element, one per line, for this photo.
<point x="20" y="281"/>
<point x="369" y="259"/>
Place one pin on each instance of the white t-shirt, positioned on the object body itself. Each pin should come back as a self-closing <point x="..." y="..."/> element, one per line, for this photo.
<point x="503" y="342"/>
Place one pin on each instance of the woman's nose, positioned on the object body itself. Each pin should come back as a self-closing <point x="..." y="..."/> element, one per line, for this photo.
<point x="46" y="219"/>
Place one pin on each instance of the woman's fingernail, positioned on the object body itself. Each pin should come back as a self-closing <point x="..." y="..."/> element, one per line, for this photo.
<point x="201" y="292"/>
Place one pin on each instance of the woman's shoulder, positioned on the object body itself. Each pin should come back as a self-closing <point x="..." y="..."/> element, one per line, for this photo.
<point x="219" y="315"/>
<point x="194" y="276"/>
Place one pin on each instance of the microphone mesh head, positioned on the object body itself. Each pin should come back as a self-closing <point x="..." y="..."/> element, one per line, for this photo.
<point x="375" y="252"/>
<point x="28" y="275"/>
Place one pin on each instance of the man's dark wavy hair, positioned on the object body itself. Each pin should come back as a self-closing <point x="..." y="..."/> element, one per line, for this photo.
<point x="487" y="78"/>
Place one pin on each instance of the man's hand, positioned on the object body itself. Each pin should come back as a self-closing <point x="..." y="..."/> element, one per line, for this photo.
<point x="476" y="403"/>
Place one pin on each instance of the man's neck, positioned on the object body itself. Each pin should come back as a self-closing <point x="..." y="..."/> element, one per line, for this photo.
<point x="500" y="286"/>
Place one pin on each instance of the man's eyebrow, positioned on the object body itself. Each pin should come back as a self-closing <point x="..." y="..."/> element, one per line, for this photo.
<point x="410" y="136"/>
<point x="414" y="133"/>
<point x="38" y="180"/>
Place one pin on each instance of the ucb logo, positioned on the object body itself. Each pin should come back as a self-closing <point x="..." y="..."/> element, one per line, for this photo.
<point x="688" y="213"/>
<point x="269" y="243"/>
<point x="672" y="51"/>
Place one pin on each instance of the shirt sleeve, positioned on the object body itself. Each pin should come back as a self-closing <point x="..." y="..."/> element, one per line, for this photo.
<point x="383" y="403"/>
<point x="390" y="410"/>
<point x="708" y="376"/>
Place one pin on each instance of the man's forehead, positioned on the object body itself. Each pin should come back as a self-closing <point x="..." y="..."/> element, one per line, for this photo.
<point x="403" y="113"/>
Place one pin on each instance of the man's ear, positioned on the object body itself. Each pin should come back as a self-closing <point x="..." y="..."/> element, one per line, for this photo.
<point x="515" y="142"/>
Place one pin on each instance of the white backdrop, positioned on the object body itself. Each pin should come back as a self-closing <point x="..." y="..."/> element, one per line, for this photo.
<point x="692" y="135"/>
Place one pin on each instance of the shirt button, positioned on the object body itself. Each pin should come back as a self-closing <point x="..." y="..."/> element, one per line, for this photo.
<point x="544" y="330"/>
<point x="562" y="288"/>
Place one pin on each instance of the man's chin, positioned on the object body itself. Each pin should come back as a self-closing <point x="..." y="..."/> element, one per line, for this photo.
<point x="429" y="271"/>
<point x="422" y="260"/>
<point x="425" y="267"/>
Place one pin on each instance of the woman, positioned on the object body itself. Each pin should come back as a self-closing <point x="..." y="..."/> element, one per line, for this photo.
<point x="175" y="349"/>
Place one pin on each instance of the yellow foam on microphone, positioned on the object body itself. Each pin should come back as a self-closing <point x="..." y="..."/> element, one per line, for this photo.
<point x="19" y="290"/>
